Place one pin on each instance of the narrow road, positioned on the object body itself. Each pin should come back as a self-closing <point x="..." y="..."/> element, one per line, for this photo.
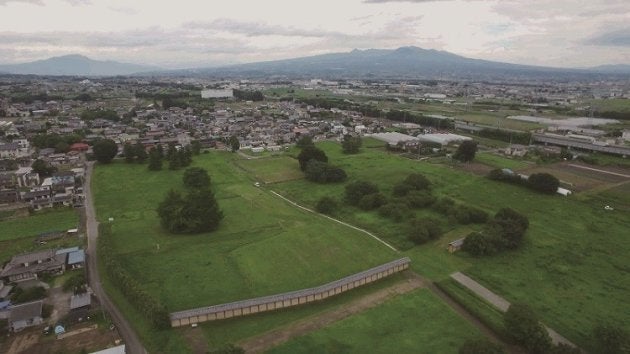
<point x="132" y="342"/>
<point x="500" y="303"/>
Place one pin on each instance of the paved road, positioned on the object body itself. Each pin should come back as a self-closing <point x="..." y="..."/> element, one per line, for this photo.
<point x="500" y="303"/>
<point x="132" y="342"/>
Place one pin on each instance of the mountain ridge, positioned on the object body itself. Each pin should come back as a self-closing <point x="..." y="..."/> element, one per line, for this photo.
<point x="75" y="65"/>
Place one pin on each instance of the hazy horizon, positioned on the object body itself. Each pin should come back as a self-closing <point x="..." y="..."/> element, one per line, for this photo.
<point x="555" y="33"/>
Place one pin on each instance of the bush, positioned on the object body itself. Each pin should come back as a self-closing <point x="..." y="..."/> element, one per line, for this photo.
<point x="326" y="205"/>
<point x="401" y="189"/>
<point x="419" y="199"/>
<point x="76" y="283"/>
<point x="468" y="215"/>
<point x="309" y="153"/>
<point x="395" y="211"/>
<point x="322" y="172"/>
<point x="356" y="190"/>
<point x="417" y="181"/>
<point x="372" y="201"/>
<point x="478" y="244"/>
<point x="543" y="182"/>
<point x="31" y="294"/>
<point x="611" y="339"/>
<point x="422" y="230"/>
<point x="444" y="205"/>
<point x="524" y="328"/>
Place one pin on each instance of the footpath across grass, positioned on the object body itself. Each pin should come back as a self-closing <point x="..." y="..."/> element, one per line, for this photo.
<point x="409" y="323"/>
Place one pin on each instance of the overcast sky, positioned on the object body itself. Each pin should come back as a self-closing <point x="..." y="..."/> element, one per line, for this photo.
<point x="188" y="33"/>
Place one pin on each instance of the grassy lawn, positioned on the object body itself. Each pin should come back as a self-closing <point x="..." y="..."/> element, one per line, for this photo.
<point x="263" y="246"/>
<point x="40" y="222"/>
<point x="399" y="325"/>
<point x="498" y="161"/>
<point x="273" y="169"/>
<point x="573" y="268"/>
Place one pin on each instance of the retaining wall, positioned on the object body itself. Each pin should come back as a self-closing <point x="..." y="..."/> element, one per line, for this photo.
<point x="294" y="298"/>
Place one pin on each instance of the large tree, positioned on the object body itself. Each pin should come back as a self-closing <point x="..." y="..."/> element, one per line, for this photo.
<point x="155" y="160"/>
<point x="524" y="328"/>
<point x="196" y="178"/>
<point x="42" y="168"/>
<point x="234" y="143"/>
<point x="105" y="150"/>
<point x="311" y="153"/>
<point x="351" y="144"/>
<point x="543" y="182"/>
<point x="197" y="212"/>
<point x="466" y="151"/>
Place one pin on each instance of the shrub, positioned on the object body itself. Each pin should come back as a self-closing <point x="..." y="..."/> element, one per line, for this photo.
<point x="395" y="211"/>
<point x="322" y="172"/>
<point x="417" y="181"/>
<point x="524" y="328"/>
<point x="356" y="190"/>
<point x="444" y="205"/>
<point x="464" y="215"/>
<point x="611" y="339"/>
<point x="422" y="230"/>
<point x="309" y="153"/>
<point x="543" y="182"/>
<point x="372" y="201"/>
<point x="420" y="199"/>
<point x="326" y="205"/>
<point x="401" y="189"/>
<point x="478" y="244"/>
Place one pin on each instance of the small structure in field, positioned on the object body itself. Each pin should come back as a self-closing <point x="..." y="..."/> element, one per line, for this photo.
<point x="456" y="245"/>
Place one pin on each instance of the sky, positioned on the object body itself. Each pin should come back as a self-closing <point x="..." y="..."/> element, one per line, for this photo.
<point x="198" y="33"/>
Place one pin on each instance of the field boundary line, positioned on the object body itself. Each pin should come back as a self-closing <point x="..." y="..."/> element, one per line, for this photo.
<point x="600" y="171"/>
<point x="336" y="220"/>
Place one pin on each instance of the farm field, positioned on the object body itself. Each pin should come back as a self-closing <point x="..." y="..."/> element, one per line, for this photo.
<point x="17" y="235"/>
<point x="497" y="161"/>
<point x="390" y="327"/>
<point x="40" y="222"/>
<point x="572" y="269"/>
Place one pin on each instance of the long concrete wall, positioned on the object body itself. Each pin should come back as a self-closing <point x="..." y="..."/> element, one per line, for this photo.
<point x="294" y="298"/>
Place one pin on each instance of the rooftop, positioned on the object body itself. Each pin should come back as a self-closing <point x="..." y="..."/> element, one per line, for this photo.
<point x="26" y="311"/>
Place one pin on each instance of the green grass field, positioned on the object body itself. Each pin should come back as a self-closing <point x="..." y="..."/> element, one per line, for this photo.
<point x="417" y="322"/>
<point x="572" y="270"/>
<point x="272" y="169"/>
<point x="496" y="161"/>
<point x="40" y="222"/>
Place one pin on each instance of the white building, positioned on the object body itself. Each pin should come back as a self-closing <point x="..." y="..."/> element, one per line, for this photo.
<point x="224" y="93"/>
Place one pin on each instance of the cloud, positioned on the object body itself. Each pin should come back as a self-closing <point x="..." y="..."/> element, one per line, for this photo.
<point x="617" y="38"/>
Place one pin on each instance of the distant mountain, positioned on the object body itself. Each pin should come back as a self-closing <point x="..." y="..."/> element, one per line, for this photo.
<point x="75" y="65"/>
<point x="404" y="62"/>
<point x="612" y="69"/>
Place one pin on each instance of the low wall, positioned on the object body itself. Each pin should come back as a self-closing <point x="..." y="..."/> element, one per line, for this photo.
<point x="294" y="298"/>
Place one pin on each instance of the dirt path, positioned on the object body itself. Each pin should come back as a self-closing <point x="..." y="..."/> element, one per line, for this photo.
<point x="335" y="220"/>
<point x="276" y="337"/>
<point x="600" y="170"/>
<point x="500" y="303"/>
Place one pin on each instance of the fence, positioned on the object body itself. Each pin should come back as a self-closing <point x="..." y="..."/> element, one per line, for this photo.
<point x="294" y="298"/>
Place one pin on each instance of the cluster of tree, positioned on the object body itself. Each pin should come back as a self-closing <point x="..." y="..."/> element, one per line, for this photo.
<point x="85" y="97"/>
<point x="42" y="168"/>
<point x="524" y="328"/>
<point x="76" y="283"/>
<point x="364" y="195"/>
<point x="134" y="153"/>
<point x="351" y="144"/>
<point x="108" y="114"/>
<point x="327" y="205"/>
<point x="20" y="295"/>
<point x="422" y="230"/>
<point x="314" y="163"/>
<point x="505" y="231"/>
<point x="247" y="95"/>
<point x="322" y="172"/>
<point x="61" y="143"/>
<point x="460" y="213"/>
<point x="141" y="299"/>
<point x="418" y="118"/>
<point x="466" y="151"/>
<point x="614" y="115"/>
<point x="234" y="143"/>
<point x="540" y="182"/>
<point x="30" y="97"/>
<point x="507" y="136"/>
<point x="105" y="150"/>
<point x="196" y="212"/>
<point x="178" y="157"/>
<point x="169" y="101"/>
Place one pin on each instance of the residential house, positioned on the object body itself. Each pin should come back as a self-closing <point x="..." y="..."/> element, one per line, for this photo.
<point x="29" y="265"/>
<point x="25" y="315"/>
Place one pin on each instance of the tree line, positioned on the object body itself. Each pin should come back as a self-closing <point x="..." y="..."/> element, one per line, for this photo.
<point x="138" y="297"/>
